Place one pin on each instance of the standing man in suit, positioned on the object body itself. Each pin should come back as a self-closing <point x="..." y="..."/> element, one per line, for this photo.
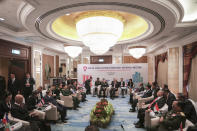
<point x="28" y="86"/>
<point x="13" y="86"/>
<point x="122" y="86"/>
<point x="88" y="84"/>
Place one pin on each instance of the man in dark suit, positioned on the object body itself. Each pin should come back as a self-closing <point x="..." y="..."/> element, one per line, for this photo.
<point x="137" y="90"/>
<point x="155" y="89"/>
<point x="148" y="93"/>
<point x="169" y="97"/>
<point x="69" y="81"/>
<point x="114" y="88"/>
<point x="48" y="99"/>
<point x="88" y="84"/>
<point x="32" y="101"/>
<point x="159" y="101"/>
<point x="122" y="85"/>
<point x="5" y="104"/>
<point x="104" y="86"/>
<point x="13" y="86"/>
<point x="96" y="84"/>
<point x="19" y="110"/>
<point x="39" y="90"/>
<point x="28" y="86"/>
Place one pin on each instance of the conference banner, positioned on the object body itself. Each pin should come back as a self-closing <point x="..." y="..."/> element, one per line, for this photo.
<point x="137" y="72"/>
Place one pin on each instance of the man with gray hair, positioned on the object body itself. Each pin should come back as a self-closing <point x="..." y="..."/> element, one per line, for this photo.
<point x="19" y="111"/>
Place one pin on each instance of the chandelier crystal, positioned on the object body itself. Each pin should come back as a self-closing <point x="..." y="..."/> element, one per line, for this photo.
<point x="98" y="50"/>
<point x="73" y="51"/>
<point x="99" y="33"/>
<point x="137" y="52"/>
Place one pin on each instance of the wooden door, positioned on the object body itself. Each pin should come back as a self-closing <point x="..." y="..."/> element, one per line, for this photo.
<point x="19" y="68"/>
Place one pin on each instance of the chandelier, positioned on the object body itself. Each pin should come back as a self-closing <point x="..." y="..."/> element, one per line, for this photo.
<point x="137" y="51"/>
<point x="99" y="30"/>
<point x="73" y="51"/>
<point x="98" y="51"/>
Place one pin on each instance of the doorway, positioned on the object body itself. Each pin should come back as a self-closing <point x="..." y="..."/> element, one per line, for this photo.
<point x="19" y="68"/>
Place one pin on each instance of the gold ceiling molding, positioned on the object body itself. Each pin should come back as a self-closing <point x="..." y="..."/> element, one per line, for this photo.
<point x="134" y="25"/>
<point x="105" y="13"/>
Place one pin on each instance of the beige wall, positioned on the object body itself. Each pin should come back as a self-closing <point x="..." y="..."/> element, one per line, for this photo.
<point x="173" y="69"/>
<point x="150" y="60"/>
<point x="4" y="68"/>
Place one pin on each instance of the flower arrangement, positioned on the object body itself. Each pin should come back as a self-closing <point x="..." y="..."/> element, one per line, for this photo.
<point x="101" y="113"/>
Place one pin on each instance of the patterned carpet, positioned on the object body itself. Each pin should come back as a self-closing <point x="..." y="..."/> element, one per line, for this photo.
<point x="78" y="120"/>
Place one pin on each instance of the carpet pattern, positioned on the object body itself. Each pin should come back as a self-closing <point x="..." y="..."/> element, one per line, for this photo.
<point x="78" y="120"/>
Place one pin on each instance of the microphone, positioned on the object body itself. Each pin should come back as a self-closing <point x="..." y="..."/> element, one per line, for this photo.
<point x="122" y="127"/>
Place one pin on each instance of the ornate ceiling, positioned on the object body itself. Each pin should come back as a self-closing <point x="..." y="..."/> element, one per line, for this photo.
<point x="156" y="24"/>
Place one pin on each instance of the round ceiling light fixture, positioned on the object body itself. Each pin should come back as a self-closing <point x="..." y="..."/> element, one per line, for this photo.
<point x="99" y="30"/>
<point x="73" y="51"/>
<point x="137" y="51"/>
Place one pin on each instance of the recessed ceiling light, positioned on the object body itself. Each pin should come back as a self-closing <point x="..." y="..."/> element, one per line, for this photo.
<point x="67" y="14"/>
<point x="1" y="19"/>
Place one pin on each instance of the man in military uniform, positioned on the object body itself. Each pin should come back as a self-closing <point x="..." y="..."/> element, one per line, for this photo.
<point x="173" y="120"/>
<point x="67" y="92"/>
<point x="189" y="109"/>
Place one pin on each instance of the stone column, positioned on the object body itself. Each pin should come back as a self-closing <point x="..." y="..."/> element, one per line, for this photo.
<point x="173" y="69"/>
<point x="150" y="60"/>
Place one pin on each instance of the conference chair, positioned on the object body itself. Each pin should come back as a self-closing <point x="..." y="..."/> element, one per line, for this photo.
<point x="52" y="114"/>
<point x="79" y="96"/>
<point x="117" y="92"/>
<point x="10" y="117"/>
<point x="93" y="90"/>
<point x="67" y="101"/>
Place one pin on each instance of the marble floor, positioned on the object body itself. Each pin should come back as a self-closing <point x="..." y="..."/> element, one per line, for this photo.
<point x="78" y="120"/>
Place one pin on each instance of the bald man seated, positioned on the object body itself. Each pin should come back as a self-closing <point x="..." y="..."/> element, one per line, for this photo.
<point x="18" y="110"/>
